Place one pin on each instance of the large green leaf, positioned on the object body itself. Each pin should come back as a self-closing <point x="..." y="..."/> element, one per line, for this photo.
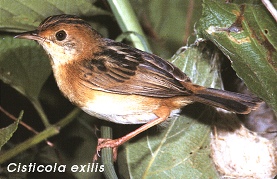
<point x="181" y="150"/>
<point x="250" y="43"/>
<point x="23" y="65"/>
<point x="21" y="15"/>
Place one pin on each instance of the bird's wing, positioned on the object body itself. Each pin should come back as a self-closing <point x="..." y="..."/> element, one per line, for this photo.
<point x="119" y="68"/>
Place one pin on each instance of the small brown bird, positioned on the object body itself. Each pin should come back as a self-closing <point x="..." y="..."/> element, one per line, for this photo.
<point x="119" y="83"/>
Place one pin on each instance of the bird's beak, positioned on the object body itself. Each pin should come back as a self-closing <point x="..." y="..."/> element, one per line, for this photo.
<point x="31" y="35"/>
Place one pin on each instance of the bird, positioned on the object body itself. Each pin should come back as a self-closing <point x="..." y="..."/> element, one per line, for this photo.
<point x="118" y="83"/>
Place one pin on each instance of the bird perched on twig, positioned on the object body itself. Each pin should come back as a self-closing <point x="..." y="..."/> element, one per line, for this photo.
<point x="119" y="83"/>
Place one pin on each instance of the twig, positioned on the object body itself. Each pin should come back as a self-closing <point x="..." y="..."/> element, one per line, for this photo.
<point x="270" y="8"/>
<point x="41" y="136"/>
<point x="188" y="20"/>
<point x="48" y="132"/>
<point x="24" y="124"/>
<point x="40" y="111"/>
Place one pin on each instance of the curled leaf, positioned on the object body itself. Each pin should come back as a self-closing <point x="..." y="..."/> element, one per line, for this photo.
<point x="246" y="34"/>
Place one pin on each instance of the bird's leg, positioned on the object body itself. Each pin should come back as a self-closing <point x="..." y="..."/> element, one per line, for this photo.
<point x="163" y="112"/>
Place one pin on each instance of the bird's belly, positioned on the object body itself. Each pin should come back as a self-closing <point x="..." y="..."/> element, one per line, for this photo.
<point x="132" y="118"/>
<point x="124" y="109"/>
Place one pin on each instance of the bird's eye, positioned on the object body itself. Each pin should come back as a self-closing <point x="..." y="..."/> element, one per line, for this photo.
<point x="61" y="35"/>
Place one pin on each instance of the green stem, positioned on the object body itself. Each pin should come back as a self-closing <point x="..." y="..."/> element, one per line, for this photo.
<point x="128" y="21"/>
<point x="48" y="132"/>
<point x="107" y="154"/>
<point x="70" y="117"/>
<point x="40" y="111"/>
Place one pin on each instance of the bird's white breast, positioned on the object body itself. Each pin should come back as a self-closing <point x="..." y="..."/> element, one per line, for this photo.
<point x="122" y="110"/>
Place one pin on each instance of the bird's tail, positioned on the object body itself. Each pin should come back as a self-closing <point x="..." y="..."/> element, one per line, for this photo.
<point x="235" y="102"/>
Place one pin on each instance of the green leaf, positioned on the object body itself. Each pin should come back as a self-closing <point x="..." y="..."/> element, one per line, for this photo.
<point x="200" y="67"/>
<point x="182" y="149"/>
<point x="23" y="65"/>
<point x="7" y="132"/>
<point x="21" y="15"/>
<point x="252" y="50"/>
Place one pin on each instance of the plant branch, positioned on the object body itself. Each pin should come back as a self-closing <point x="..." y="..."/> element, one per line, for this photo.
<point x="23" y="124"/>
<point x="107" y="154"/>
<point x="270" y="8"/>
<point x="48" y="132"/>
<point x="40" y="111"/>
<point x="128" y="21"/>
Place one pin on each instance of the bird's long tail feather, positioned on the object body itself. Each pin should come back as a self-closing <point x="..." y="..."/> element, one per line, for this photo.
<point x="231" y="101"/>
